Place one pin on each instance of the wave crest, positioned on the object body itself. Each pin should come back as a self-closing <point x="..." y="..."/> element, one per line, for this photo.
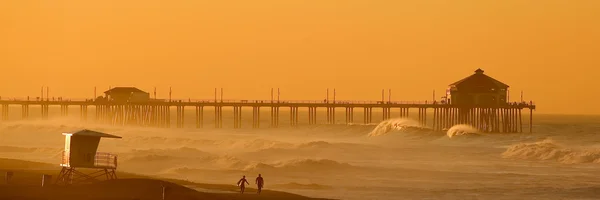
<point x="550" y="150"/>
<point x="462" y="130"/>
<point x="395" y="124"/>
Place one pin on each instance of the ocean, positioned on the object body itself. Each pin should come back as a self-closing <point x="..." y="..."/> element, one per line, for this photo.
<point x="393" y="159"/>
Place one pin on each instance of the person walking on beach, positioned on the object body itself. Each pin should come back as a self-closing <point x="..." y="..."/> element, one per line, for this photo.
<point x="242" y="183"/>
<point x="259" y="183"/>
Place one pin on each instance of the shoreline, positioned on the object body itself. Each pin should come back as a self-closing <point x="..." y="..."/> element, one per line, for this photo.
<point x="27" y="179"/>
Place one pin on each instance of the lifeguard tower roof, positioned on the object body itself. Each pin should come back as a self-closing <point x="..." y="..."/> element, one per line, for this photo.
<point x="86" y="132"/>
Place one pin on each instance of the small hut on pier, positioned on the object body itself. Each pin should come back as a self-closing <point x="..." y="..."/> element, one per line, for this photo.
<point x="126" y="94"/>
<point x="81" y="152"/>
<point x="478" y="90"/>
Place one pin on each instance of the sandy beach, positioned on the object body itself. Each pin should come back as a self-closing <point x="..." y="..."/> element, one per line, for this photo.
<point x="26" y="185"/>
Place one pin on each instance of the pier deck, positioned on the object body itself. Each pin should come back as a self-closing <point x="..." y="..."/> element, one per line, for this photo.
<point x="157" y="113"/>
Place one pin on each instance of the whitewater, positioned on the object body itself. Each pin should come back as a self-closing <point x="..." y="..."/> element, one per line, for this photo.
<point x="394" y="159"/>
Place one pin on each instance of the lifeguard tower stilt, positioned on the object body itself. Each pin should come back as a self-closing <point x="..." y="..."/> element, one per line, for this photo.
<point x="80" y="152"/>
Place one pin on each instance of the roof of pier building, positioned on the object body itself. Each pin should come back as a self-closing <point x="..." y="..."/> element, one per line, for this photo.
<point x="479" y="80"/>
<point x="124" y="90"/>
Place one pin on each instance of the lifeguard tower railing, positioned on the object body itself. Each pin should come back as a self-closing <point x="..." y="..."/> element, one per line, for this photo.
<point x="101" y="160"/>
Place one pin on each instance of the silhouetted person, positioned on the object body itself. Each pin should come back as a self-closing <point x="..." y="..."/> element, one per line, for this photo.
<point x="259" y="183"/>
<point x="242" y="183"/>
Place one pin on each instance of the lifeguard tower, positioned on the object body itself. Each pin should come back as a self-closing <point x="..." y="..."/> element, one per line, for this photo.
<point x="81" y="152"/>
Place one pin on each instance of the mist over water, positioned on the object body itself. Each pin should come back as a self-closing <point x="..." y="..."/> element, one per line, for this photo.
<point x="395" y="159"/>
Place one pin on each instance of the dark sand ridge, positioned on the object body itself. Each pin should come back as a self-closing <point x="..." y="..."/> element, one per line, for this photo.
<point x="26" y="184"/>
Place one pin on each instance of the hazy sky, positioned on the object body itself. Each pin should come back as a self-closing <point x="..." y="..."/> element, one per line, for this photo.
<point x="548" y="48"/>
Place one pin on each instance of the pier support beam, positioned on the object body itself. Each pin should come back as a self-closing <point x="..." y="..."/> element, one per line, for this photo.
<point x="368" y="115"/>
<point x="83" y="112"/>
<point x="25" y="111"/>
<point x="349" y="115"/>
<point x="144" y="115"/>
<point x="312" y="115"/>
<point x="218" y="116"/>
<point x="180" y="116"/>
<point x="530" y="120"/>
<point x="423" y="116"/>
<point x="4" y="112"/>
<point x="98" y="112"/>
<point x="237" y="117"/>
<point x="434" y="126"/>
<point x="64" y="110"/>
<point x="294" y="116"/>
<point x="274" y="116"/>
<point x="499" y="120"/>
<point x="404" y="112"/>
<point x="162" y="121"/>
<point x="386" y="113"/>
<point x="157" y="117"/>
<point x="166" y="116"/>
<point x="256" y="117"/>
<point x="330" y="115"/>
<point x="153" y="116"/>
<point x="45" y="111"/>
<point x="199" y="116"/>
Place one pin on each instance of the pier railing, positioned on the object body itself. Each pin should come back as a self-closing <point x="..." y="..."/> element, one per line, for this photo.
<point x="238" y="101"/>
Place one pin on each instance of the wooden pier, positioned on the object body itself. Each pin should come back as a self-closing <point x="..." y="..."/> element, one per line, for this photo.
<point x="477" y="100"/>
<point x="504" y="119"/>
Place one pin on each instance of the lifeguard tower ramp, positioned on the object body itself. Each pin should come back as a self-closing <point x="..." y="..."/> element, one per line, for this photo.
<point x="81" y="153"/>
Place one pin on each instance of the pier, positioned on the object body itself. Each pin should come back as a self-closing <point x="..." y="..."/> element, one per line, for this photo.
<point x="486" y="108"/>
<point x="505" y="119"/>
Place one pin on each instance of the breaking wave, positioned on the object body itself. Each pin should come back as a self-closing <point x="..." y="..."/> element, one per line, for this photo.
<point x="396" y="124"/>
<point x="462" y="130"/>
<point x="549" y="150"/>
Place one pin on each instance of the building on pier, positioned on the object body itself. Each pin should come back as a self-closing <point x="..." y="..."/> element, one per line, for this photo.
<point x="477" y="90"/>
<point x="126" y="94"/>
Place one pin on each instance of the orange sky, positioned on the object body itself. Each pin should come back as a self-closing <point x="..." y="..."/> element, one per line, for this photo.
<point x="548" y="48"/>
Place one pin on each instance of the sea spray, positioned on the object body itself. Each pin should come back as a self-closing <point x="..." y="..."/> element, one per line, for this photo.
<point x="548" y="149"/>
<point x="461" y="130"/>
<point x="378" y="164"/>
<point x="394" y="124"/>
